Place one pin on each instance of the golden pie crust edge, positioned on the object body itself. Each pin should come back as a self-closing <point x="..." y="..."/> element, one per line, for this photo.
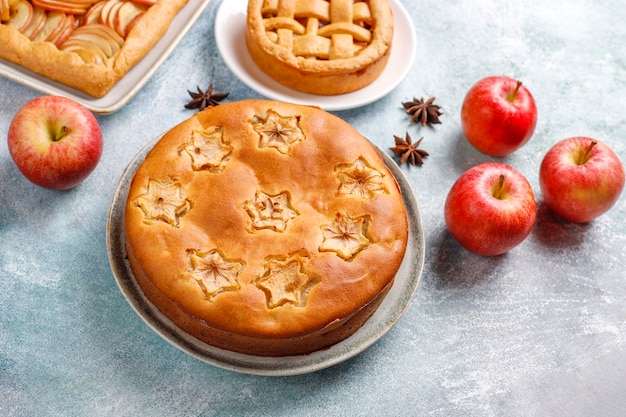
<point x="68" y="68"/>
<point x="345" y="293"/>
<point x="319" y="76"/>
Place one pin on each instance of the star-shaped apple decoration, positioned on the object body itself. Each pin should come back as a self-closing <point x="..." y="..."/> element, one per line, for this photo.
<point x="213" y="272"/>
<point x="163" y="201"/>
<point x="207" y="149"/>
<point x="269" y="212"/>
<point x="359" y="179"/>
<point x="346" y="236"/>
<point x="278" y="132"/>
<point x="284" y="282"/>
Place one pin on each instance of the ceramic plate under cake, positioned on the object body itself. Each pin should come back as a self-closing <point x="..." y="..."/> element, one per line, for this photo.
<point x="389" y="312"/>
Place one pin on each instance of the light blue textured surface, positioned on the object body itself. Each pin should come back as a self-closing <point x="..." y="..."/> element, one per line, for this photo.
<point x="540" y="331"/>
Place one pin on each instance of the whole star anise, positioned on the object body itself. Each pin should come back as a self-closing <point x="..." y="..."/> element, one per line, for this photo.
<point x="409" y="151"/>
<point x="202" y="99"/>
<point x="425" y="112"/>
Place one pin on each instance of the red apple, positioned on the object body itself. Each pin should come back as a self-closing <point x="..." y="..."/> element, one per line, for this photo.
<point x="581" y="178"/>
<point x="498" y="115"/>
<point x="490" y="209"/>
<point x="55" y="142"/>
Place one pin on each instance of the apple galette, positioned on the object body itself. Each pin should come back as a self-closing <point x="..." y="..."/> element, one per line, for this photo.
<point x="321" y="46"/>
<point x="86" y="44"/>
<point x="265" y="228"/>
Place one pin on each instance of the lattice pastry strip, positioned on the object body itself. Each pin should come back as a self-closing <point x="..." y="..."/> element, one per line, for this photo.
<point x="319" y="29"/>
<point x="322" y="47"/>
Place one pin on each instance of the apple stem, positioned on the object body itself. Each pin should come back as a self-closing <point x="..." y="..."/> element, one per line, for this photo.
<point x="583" y="157"/>
<point x="513" y="94"/>
<point x="60" y="134"/>
<point x="498" y="190"/>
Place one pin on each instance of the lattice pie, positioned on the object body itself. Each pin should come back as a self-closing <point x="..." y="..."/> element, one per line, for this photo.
<point x="320" y="46"/>
<point x="86" y="44"/>
<point x="265" y="228"/>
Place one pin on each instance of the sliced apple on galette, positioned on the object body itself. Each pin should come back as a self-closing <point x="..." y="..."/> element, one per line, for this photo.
<point x="86" y="44"/>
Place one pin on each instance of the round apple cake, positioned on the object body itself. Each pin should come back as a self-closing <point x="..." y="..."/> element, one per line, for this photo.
<point x="323" y="47"/>
<point x="265" y="228"/>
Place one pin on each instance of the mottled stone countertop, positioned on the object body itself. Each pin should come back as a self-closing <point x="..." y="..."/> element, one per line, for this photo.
<point x="540" y="331"/>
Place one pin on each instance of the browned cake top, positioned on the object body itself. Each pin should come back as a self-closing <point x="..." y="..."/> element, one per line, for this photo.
<point x="266" y="219"/>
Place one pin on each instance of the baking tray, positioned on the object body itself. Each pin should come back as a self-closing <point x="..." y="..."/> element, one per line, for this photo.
<point x="130" y="84"/>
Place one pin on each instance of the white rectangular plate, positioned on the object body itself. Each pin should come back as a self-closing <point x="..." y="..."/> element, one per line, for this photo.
<point x="131" y="83"/>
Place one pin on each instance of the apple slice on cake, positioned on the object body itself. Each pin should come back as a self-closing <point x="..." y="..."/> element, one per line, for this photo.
<point x="147" y="3"/>
<point x="37" y="22"/>
<point x="119" y="15"/>
<point x="20" y="14"/>
<point x="98" y="42"/>
<point x="63" y="31"/>
<point x="52" y="22"/>
<point x="65" y="6"/>
<point x="126" y="17"/>
<point x="108" y="11"/>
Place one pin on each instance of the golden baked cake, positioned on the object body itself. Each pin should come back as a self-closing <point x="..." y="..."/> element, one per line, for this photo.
<point x="321" y="47"/>
<point x="265" y="228"/>
<point x="86" y="44"/>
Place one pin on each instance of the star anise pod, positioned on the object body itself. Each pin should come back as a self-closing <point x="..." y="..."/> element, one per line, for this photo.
<point x="203" y="99"/>
<point x="409" y="151"/>
<point x="425" y="112"/>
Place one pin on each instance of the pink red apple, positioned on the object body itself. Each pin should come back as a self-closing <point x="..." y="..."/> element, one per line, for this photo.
<point x="498" y="115"/>
<point x="581" y="178"/>
<point x="490" y="209"/>
<point x="55" y="142"/>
